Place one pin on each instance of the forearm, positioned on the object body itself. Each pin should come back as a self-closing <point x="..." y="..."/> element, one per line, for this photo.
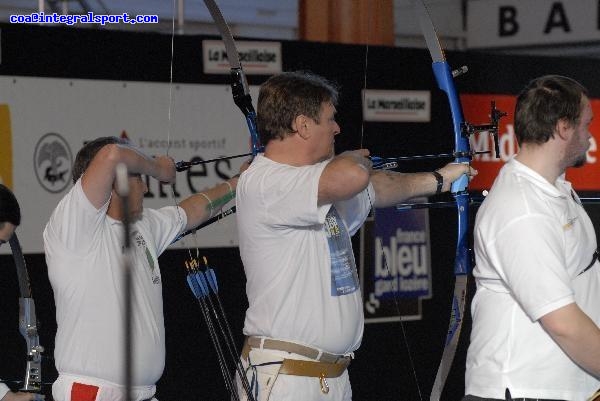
<point x="577" y="335"/>
<point x="393" y="187"/>
<point x="102" y="168"/>
<point x="204" y="205"/>
<point x="138" y="162"/>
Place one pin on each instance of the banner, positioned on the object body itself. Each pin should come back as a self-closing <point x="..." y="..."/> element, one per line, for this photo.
<point x="510" y="23"/>
<point x="476" y="109"/>
<point x="396" y="264"/>
<point x="45" y="121"/>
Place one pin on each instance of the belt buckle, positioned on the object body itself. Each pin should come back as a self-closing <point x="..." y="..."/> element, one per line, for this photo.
<point x="323" y="383"/>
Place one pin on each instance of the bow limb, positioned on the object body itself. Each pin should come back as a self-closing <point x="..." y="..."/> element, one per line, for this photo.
<point x="445" y="80"/>
<point x="241" y="97"/>
<point x="239" y="84"/>
<point x="27" y="322"/>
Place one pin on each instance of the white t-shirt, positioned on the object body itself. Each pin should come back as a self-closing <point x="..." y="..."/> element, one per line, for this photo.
<point x="302" y="283"/>
<point x="532" y="239"/>
<point x="84" y="254"/>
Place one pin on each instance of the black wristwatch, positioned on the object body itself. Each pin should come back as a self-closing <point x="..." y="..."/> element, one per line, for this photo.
<point x="440" y="182"/>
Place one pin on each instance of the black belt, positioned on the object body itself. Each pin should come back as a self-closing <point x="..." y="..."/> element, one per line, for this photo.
<point x="533" y="399"/>
<point x="507" y="395"/>
<point x="473" y="398"/>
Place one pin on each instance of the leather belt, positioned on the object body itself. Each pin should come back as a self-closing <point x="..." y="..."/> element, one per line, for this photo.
<point x="325" y="364"/>
<point x="279" y="345"/>
<point x="296" y="367"/>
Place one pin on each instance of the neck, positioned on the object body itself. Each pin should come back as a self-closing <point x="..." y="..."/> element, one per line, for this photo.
<point x="290" y="151"/>
<point x="542" y="159"/>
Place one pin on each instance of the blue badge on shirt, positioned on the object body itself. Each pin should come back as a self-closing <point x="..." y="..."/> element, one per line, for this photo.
<point x="344" y="277"/>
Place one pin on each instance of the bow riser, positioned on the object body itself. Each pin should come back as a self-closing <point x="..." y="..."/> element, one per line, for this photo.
<point x="243" y="100"/>
<point x="445" y="80"/>
<point x="462" y="259"/>
<point x="27" y="322"/>
<point x="28" y="329"/>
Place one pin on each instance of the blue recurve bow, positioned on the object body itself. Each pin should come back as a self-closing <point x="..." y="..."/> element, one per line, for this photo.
<point x="462" y="263"/>
<point x="462" y="130"/>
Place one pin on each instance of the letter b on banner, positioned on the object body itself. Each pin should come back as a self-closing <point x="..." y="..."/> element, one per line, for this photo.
<point x="507" y="24"/>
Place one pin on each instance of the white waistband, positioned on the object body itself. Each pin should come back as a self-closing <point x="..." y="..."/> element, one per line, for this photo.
<point x="107" y="391"/>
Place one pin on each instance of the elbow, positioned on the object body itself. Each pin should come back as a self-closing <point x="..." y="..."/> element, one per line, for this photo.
<point x="341" y="181"/>
<point x="565" y="322"/>
<point x="110" y="153"/>
<point x="355" y="181"/>
<point x="360" y="177"/>
<point x="555" y="329"/>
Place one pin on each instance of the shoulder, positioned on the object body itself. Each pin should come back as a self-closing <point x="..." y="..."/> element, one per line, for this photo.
<point x="269" y="175"/>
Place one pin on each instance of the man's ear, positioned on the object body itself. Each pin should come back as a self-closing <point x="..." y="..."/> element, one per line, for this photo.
<point x="300" y="125"/>
<point x="563" y="129"/>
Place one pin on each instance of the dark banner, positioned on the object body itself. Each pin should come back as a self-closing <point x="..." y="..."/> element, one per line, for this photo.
<point x="396" y="264"/>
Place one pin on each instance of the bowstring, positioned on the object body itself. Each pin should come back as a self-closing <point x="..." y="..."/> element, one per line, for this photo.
<point x="385" y="263"/>
<point x="212" y="331"/>
<point x="170" y="122"/>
